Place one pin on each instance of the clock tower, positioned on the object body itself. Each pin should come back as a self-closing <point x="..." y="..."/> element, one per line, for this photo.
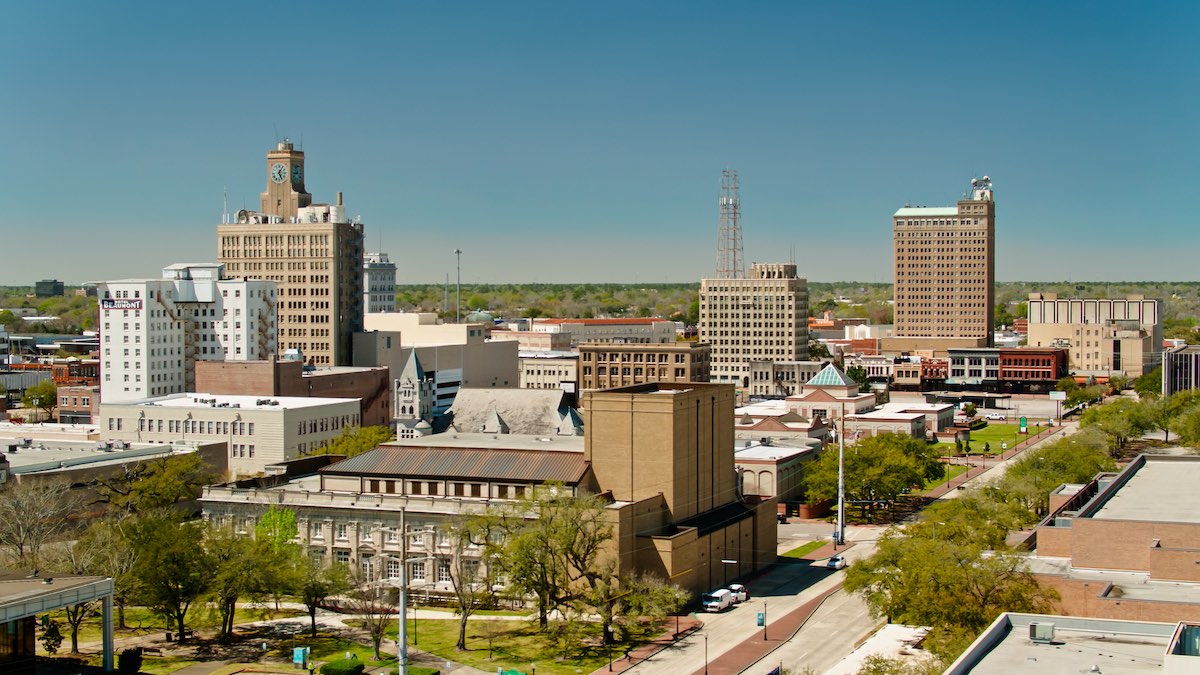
<point x="285" y="182"/>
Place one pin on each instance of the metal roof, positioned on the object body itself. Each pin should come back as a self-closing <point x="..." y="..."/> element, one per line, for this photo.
<point x="536" y="466"/>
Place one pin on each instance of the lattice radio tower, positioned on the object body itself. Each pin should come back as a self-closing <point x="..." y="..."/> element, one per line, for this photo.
<point x="730" y="262"/>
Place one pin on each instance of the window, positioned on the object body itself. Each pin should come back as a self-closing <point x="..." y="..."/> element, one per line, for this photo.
<point x="341" y="531"/>
<point x="342" y="557"/>
<point x="417" y="572"/>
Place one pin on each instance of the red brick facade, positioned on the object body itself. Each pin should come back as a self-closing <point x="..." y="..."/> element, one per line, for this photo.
<point x="287" y="378"/>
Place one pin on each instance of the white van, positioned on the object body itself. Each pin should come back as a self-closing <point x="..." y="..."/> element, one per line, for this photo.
<point x="717" y="600"/>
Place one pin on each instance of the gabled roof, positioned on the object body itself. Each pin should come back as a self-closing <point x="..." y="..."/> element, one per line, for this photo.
<point x="537" y="412"/>
<point x="831" y="376"/>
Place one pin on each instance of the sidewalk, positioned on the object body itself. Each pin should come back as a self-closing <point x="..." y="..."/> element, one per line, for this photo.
<point x="989" y="462"/>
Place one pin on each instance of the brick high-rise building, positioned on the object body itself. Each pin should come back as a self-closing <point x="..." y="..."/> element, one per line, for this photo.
<point x="945" y="274"/>
<point x="311" y="251"/>
<point x="762" y="318"/>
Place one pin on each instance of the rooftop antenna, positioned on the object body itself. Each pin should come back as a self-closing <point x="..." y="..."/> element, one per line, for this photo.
<point x="276" y="130"/>
<point x="225" y="205"/>
<point x="730" y="260"/>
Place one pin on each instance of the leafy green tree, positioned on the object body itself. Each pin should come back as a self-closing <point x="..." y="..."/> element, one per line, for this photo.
<point x="1159" y="413"/>
<point x="357" y="440"/>
<point x="969" y="410"/>
<point x="1149" y="384"/>
<point x="113" y="557"/>
<point x="158" y="484"/>
<point x="1120" y="420"/>
<point x="51" y="638"/>
<point x="173" y="569"/>
<point x="1187" y="426"/>
<point x="1074" y="459"/>
<point x="949" y="586"/>
<point x="42" y="396"/>
<point x="241" y="567"/>
<point x="859" y="375"/>
<point x="320" y="581"/>
<point x="1067" y="383"/>
<point x="9" y="320"/>
<point x="877" y="469"/>
<point x="277" y="527"/>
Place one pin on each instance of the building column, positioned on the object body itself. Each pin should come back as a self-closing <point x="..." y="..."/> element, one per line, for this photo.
<point x="106" y="627"/>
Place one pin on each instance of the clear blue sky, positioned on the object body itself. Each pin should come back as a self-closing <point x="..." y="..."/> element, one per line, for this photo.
<point x="563" y="141"/>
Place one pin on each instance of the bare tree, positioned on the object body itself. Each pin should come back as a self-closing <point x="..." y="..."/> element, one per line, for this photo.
<point x="471" y="579"/>
<point x="33" y="513"/>
<point x="80" y="558"/>
<point x="373" y="603"/>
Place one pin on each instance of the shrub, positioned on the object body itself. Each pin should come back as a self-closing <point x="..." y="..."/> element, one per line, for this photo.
<point x="343" y="667"/>
<point x="129" y="660"/>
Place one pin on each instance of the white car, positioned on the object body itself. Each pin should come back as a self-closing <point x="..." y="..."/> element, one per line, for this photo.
<point x="837" y="562"/>
<point x="995" y="416"/>
<point x="739" y="592"/>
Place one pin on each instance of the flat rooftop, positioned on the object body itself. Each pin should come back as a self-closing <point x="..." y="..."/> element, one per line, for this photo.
<point x="1114" y="647"/>
<point x="757" y="451"/>
<point x="1131" y="585"/>
<point x="1163" y="491"/>
<point x="198" y="400"/>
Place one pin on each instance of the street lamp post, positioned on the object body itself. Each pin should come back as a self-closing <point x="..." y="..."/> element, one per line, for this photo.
<point x="840" y="536"/>
<point x="458" y="286"/>
<point x="705" y="655"/>
<point x="764" y="620"/>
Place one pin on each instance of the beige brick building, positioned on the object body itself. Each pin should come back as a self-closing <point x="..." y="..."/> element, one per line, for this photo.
<point x="602" y="366"/>
<point x="945" y="274"/>
<point x="762" y="318"/>
<point x="311" y="251"/>
<point x="1102" y="336"/>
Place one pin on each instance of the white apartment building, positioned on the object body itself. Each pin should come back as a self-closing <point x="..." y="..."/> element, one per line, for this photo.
<point x="379" y="283"/>
<point x="762" y="318"/>
<point x="152" y="331"/>
<point x="610" y="331"/>
<point x="258" y="430"/>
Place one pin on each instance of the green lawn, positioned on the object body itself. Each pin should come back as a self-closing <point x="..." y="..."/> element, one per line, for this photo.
<point x="803" y="551"/>
<point x="142" y="620"/>
<point x="994" y="433"/>
<point x="329" y="648"/>
<point x="517" y="644"/>
<point x="956" y="470"/>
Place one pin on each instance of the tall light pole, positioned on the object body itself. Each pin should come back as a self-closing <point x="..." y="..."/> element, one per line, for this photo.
<point x="458" y="286"/>
<point x="840" y="535"/>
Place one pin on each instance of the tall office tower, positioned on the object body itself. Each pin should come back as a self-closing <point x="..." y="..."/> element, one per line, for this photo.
<point x="311" y="251"/>
<point x="379" y="283"/>
<point x="152" y="331"/>
<point x="945" y="274"/>
<point x="760" y="318"/>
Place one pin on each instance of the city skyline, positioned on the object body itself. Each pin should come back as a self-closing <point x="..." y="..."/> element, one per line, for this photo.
<point x="537" y="136"/>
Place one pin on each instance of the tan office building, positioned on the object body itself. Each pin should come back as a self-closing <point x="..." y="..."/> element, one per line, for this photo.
<point x="762" y="318"/>
<point x="945" y="274"/>
<point x="602" y="366"/>
<point x="311" y="251"/>
<point x="1102" y="336"/>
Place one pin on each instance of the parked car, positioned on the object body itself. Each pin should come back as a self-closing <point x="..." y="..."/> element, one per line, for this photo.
<point x="995" y="416"/>
<point x="740" y="593"/>
<point x="837" y="562"/>
<point x="717" y="600"/>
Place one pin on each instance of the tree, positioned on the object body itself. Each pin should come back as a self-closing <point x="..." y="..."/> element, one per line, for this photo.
<point x="877" y="470"/>
<point x="549" y="546"/>
<point x="32" y="513"/>
<point x="1067" y="383"/>
<point x="240" y="568"/>
<point x="1120" y="420"/>
<point x="1074" y="459"/>
<point x="318" y="582"/>
<point x="157" y="484"/>
<point x="969" y="410"/>
<point x="113" y="557"/>
<point x="357" y="440"/>
<point x="42" y="396"/>
<point x="949" y="586"/>
<point x="1187" y="427"/>
<point x="173" y="568"/>
<point x="369" y="600"/>
<point x="9" y="320"/>
<point x="470" y="578"/>
<point x="859" y="375"/>
<point x="51" y="637"/>
<point x="1149" y="384"/>
<point x="83" y="556"/>
<point x="1160" y="412"/>
<point x="277" y="531"/>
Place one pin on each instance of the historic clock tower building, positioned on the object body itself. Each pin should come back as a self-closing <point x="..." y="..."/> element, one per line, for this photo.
<point x="285" y="193"/>
<point x="311" y="251"/>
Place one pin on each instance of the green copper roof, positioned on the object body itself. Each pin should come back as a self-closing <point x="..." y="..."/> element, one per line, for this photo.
<point x="830" y="376"/>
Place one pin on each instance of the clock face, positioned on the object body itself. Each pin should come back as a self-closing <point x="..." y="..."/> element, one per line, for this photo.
<point x="279" y="172"/>
<point x="297" y="174"/>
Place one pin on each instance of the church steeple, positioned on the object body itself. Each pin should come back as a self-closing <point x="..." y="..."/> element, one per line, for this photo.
<point x="285" y="182"/>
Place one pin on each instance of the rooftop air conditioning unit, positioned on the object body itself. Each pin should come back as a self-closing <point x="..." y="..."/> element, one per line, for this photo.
<point x="1041" y="632"/>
